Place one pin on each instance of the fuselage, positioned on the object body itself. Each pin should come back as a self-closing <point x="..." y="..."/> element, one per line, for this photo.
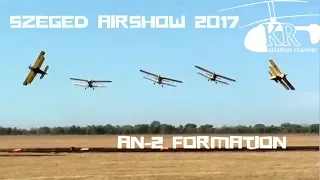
<point x="277" y="78"/>
<point x="159" y="80"/>
<point x="36" y="70"/>
<point x="213" y="77"/>
<point x="89" y="83"/>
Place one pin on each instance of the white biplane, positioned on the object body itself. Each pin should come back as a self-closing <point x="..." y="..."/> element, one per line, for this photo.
<point x="211" y="76"/>
<point x="157" y="79"/>
<point x="90" y="83"/>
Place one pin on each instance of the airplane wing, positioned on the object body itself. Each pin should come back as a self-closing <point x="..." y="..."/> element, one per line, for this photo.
<point x="150" y="79"/>
<point x="76" y="79"/>
<point x="203" y="75"/>
<point x="169" y="84"/>
<point x="284" y="85"/>
<point x="225" y="78"/>
<point x="81" y="85"/>
<point x="288" y="83"/>
<point x="29" y="78"/>
<point x="148" y="73"/>
<point x="222" y="82"/>
<point x="99" y="86"/>
<point x="203" y="69"/>
<point x="161" y="83"/>
<point x="272" y="77"/>
<point x="174" y="80"/>
<point x="275" y="67"/>
<point x="273" y="71"/>
<point x="94" y="81"/>
<point x="214" y="73"/>
<point x="39" y="60"/>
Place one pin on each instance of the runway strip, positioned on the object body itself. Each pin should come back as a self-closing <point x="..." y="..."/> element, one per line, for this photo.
<point x="113" y="150"/>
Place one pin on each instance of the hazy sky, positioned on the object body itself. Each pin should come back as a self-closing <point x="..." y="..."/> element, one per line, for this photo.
<point x="118" y="54"/>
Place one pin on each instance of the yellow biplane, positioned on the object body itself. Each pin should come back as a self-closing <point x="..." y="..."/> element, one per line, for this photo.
<point x="35" y="69"/>
<point x="278" y="76"/>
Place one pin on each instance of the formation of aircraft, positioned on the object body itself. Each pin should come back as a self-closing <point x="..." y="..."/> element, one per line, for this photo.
<point x="90" y="83"/>
<point x="35" y="69"/>
<point x="274" y="72"/>
<point x="278" y="76"/>
<point x="211" y="76"/>
<point x="157" y="79"/>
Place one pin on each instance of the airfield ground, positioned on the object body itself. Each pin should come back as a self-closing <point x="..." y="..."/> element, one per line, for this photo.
<point x="111" y="141"/>
<point x="299" y="165"/>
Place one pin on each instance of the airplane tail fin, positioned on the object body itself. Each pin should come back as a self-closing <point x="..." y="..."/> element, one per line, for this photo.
<point x="45" y="72"/>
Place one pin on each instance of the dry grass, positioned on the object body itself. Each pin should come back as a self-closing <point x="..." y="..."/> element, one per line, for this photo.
<point x="153" y="166"/>
<point x="164" y="166"/>
<point x="111" y="141"/>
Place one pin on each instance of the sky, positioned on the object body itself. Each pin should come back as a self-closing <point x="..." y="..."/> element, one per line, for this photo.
<point x="119" y="54"/>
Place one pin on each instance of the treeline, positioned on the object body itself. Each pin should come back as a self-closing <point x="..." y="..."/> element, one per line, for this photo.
<point x="157" y="128"/>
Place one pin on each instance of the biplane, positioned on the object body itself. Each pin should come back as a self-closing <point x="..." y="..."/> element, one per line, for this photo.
<point x="35" y="69"/>
<point x="157" y="79"/>
<point x="90" y="83"/>
<point x="212" y="76"/>
<point x="279" y="77"/>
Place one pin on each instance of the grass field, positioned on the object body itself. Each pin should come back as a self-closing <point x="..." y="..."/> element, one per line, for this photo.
<point x="163" y="166"/>
<point x="111" y="141"/>
<point x="153" y="166"/>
